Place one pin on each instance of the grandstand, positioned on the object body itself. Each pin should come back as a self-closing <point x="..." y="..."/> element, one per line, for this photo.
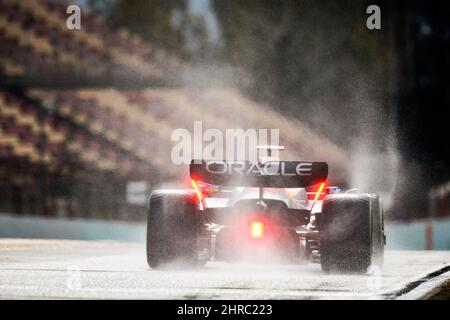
<point x="82" y="113"/>
<point x="36" y="31"/>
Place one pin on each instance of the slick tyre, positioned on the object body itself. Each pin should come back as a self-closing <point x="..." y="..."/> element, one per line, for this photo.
<point x="174" y="226"/>
<point x="351" y="233"/>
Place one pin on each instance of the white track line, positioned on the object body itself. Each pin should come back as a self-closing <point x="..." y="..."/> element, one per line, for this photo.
<point x="426" y="289"/>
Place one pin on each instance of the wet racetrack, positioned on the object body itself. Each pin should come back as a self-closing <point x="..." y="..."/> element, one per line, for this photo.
<point x="113" y="270"/>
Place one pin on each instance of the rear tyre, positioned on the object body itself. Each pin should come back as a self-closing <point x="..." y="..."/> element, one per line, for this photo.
<point x="174" y="226"/>
<point x="351" y="233"/>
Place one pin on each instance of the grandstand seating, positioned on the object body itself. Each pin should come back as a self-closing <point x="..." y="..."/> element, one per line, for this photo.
<point x="80" y="146"/>
<point x="39" y="29"/>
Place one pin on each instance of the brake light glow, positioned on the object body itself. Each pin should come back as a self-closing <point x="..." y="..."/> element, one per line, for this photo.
<point x="197" y="191"/>
<point x="322" y="185"/>
<point x="256" y="229"/>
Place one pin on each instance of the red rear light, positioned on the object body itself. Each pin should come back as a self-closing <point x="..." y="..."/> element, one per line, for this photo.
<point x="320" y="193"/>
<point x="198" y="192"/>
<point x="256" y="229"/>
<point x="317" y="192"/>
<point x="205" y="189"/>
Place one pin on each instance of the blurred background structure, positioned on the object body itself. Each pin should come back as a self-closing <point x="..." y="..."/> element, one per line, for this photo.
<point x="86" y="115"/>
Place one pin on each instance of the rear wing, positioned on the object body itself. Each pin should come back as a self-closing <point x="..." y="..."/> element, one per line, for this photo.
<point x="272" y="174"/>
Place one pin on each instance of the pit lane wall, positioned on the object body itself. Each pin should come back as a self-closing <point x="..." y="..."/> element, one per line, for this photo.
<point x="28" y="227"/>
<point x="419" y="235"/>
<point x="432" y="234"/>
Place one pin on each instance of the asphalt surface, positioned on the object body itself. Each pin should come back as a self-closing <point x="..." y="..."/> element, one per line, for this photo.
<point x="49" y="269"/>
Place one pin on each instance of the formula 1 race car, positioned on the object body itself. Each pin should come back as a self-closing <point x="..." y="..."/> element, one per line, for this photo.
<point x="267" y="210"/>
